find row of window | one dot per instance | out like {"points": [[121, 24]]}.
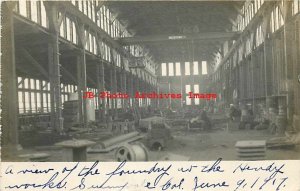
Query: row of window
{"points": [[174, 69], [34, 96], [107, 21], [276, 19], [276, 22], [35, 11], [248, 11]]}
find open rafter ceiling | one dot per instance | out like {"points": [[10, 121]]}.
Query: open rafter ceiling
{"points": [[148, 18]]}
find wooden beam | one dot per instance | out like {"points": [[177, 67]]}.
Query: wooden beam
{"points": [[211, 36], [100, 4], [233, 22], [238, 10], [71, 76], [33, 62]]}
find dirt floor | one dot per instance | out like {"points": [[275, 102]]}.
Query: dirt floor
{"points": [[197, 145]]}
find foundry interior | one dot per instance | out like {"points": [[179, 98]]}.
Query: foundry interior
{"points": [[215, 79]]}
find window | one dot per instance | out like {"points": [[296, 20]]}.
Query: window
{"points": [[187, 88], [204, 67], [171, 69], [49, 102], [188, 100], [21, 103], [74, 38], [61, 28], [27, 102], [195, 68], [178, 69], [43, 15], [296, 7], [91, 43], [23, 8], [33, 11], [196, 90], [20, 82], [32, 84], [163, 69], [37, 84], [187, 68], [197, 101], [68, 28], [38, 102], [45, 102]]}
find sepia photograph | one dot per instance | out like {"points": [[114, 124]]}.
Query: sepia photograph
{"points": [[114, 81]]}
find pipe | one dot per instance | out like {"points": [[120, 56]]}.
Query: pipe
{"points": [[118, 139]]}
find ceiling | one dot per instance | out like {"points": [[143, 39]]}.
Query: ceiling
{"points": [[150, 18]]}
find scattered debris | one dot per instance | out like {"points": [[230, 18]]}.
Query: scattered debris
{"points": [[158, 135], [280, 143]]}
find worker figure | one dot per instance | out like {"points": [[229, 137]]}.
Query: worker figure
{"points": [[234, 112], [252, 123], [109, 122], [207, 123], [126, 126]]}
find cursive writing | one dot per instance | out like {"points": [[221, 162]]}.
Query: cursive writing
{"points": [[164, 176]]}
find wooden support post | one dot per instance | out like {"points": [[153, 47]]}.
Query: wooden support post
{"points": [[123, 88], [114, 81], [82, 87], [288, 30], [182, 68], [267, 54], [125, 102], [137, 86], [144, 86], [54, 68], [101, 79], [130, 88], [115, 89], [9, 97], [253, 60], [111, 104], [81, 74], [296, 74], [100, 88], [52, 90], [79, 89]]}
